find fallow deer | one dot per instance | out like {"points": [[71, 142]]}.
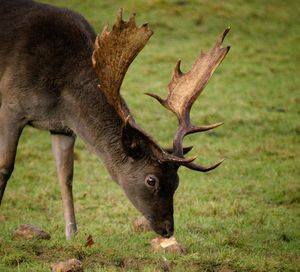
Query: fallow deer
{"points": [[57, 75]]}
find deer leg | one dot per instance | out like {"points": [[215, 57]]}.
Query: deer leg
{"points": [[10, 131], [63, 150]]}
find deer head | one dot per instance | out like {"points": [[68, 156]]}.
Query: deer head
{"points": [[152, 177]]}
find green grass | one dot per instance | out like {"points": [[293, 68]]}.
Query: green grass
{"points": [[245, 215]]}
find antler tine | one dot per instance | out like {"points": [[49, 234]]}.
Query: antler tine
{"points": [[183, 131], [185, 88], [204, 128], [119, 18], [200, 168]]}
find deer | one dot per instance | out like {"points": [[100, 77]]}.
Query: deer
{"points": [[58, 75]]}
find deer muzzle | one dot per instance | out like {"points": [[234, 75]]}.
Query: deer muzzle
{"points": [[164, 228]]}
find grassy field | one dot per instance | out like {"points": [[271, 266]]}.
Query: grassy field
{"points": [[244, 216]]}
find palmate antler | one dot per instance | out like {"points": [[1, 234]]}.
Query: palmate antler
{"points": [[185, 88], [115, 51]]}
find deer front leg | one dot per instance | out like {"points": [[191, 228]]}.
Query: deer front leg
{"points": [[10, 131], [63, 150]]}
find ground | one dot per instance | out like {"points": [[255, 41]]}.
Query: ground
{"points": [[245, 215]]}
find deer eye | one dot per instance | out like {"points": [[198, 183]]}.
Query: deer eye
{"points": [[151, 180]]}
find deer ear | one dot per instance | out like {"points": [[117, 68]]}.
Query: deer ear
{"points": [[134, 142]]}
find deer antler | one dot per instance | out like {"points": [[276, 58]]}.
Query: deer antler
{"points": [[184, 89], [114, 52]]}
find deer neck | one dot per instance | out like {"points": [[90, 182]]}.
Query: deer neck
{"points": [[99, 126]]}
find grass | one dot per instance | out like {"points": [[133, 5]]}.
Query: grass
{"points": [[245, 215]]}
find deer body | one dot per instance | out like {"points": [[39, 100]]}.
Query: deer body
{"points": [[47, 80], [46, 67]]}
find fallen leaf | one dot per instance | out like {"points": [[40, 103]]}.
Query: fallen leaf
{"points": [[89, 241]]}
